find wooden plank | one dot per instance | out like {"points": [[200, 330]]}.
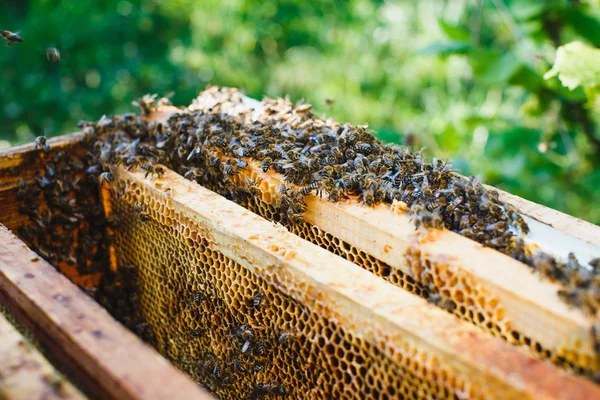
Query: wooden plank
{"points": [[506, 297], [112, 361], [392, 320], [25, 373], [560, 221]]}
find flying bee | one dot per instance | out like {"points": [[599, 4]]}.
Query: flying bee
{"points": [[329, 102], [40, 142], [53, 55], [107, 177], [266, 164], [11, 37]]}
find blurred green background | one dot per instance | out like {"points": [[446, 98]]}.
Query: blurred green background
{"points": [[463, 78]]}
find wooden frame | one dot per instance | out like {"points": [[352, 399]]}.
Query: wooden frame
{"points": [[357, 299], [25, 373]]}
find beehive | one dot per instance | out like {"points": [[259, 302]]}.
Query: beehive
{"points": [[251, 310]]}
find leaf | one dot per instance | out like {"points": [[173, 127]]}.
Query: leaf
{"points": [[585, 25], [527, 9], [454, 32], [502, 69], [527, 78], [440, 49], [578, 64]]}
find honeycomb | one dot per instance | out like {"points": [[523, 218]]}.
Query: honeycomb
{"points": [[456, 290], [201, 304]]}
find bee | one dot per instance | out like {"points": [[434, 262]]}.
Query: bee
{"points": [[40, 142], [195, 153], [368, 198], [444, 303], [244, 333], [11, 37], [422, 217], [238, 365], [146, 103], [220, 143], [53, 55], [285, 337], [256, 302], [258, 366], [266, 164], [144, 331], [596, 337], [304, 108], [197, 333], [199, 297], [258, 348], [329, 102], [107, 177], [595, 264], [228, 170], [305, 191], [266, 389], [140, 210], [151, 170], [252, 186]]}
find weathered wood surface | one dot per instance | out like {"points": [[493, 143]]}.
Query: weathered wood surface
{"points": [[111, 361], [25, 373]]}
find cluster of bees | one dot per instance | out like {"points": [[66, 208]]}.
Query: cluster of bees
{"points": [[244, 347], [66, 225], [333, 161]]}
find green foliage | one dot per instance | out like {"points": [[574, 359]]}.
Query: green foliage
{"points": [[463, 78], [578, 65]]}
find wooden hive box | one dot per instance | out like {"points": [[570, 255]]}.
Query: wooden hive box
{"points": [[329, 308]]}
